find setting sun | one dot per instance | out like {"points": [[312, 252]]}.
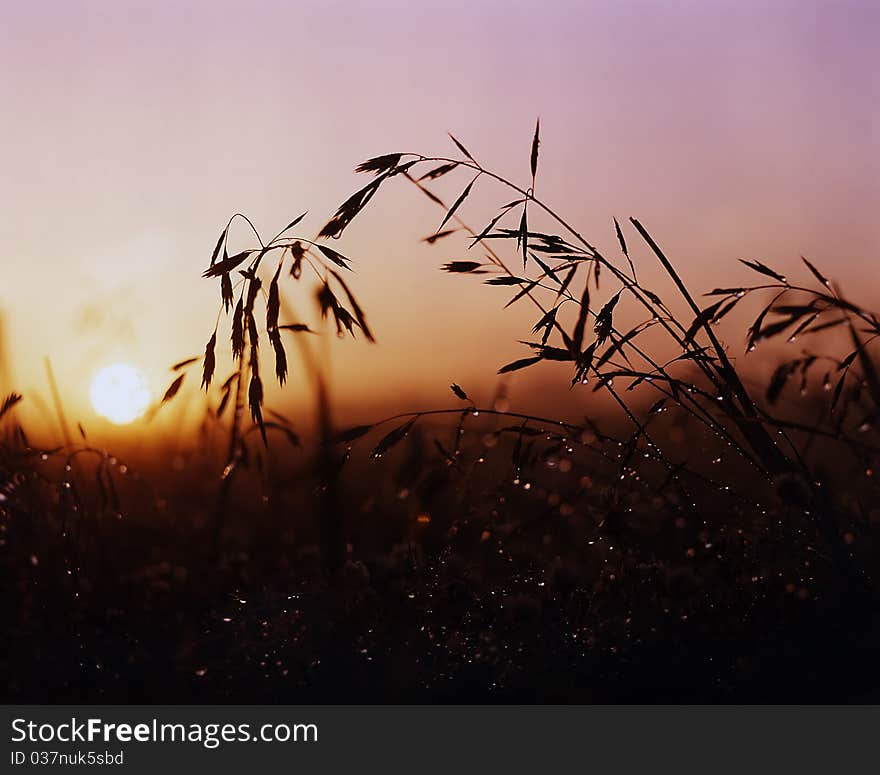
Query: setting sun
{"points": [[120, 393]]}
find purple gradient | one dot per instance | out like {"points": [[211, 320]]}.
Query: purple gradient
{"points": [[132, 130]]}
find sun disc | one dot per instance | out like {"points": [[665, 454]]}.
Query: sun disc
{"points": [[120, 393]]}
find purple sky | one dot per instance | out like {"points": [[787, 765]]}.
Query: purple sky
{"points": [[132, 130]]}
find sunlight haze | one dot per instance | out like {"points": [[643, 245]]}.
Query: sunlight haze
{"points": [[132, 131]]}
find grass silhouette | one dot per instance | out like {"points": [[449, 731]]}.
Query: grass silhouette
{"points": [[704, 543]]}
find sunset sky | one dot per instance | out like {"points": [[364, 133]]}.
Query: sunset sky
{"points": [[133, 130]]}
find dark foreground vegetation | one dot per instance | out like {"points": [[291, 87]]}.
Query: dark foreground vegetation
{"points": [[713, 540]]}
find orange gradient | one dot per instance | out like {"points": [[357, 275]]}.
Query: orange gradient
{"points": [[133, 130]]}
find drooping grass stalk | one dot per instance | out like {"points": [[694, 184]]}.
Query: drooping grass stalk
{"points": [[327, 265]]}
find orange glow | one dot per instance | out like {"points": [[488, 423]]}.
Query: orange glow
{"points": [[711, 136]]}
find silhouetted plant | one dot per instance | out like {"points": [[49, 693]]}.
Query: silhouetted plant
{"points": [[290, 256], [719, 399]]}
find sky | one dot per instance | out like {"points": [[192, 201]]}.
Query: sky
{"points": [[133, 130]]}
